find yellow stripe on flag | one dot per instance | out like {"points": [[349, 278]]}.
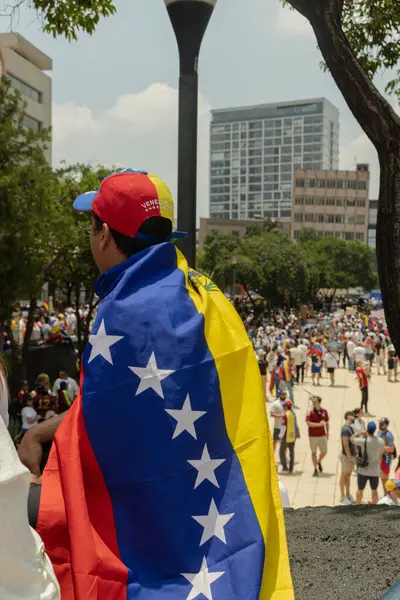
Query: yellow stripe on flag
{"points": [[246, 423]]}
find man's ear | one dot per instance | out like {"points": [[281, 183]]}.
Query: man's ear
{"points": [[106, 236]]}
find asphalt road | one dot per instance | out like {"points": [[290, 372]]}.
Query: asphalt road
{"points": [[343, 553]]}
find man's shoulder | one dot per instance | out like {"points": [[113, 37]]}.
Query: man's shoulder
{"points": [[324, 413]]}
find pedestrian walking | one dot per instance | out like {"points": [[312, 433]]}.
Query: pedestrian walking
{"points": [[318, 432], [332, 362], [363, 380]]}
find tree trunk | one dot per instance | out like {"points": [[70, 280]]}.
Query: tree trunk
{"points": [[382, 125]]}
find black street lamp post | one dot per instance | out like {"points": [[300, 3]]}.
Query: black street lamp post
{"points": [[189, 20]]}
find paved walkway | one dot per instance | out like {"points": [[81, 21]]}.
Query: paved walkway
{"points": [[384, 401]]}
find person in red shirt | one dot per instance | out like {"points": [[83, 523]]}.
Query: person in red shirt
{"points": [[318, 432], [363, 379]]}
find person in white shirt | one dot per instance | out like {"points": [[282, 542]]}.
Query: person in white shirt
{"points": [[359, 423], [297, 356], [29, 415], [332, 362], [277, 412], [72, 387], [350, 351], [392, 496], [359, 354]]}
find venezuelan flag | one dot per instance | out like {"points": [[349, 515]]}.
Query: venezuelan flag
{"points": [[161, 483]]}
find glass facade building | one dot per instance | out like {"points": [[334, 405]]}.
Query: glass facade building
{"points": [[254, 150]]}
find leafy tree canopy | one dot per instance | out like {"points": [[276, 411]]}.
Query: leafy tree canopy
{"points": [[271, 264], [30, 213]]}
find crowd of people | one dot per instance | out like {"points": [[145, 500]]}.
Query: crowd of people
{"points": [[291, 346], [43, 401], [53, 327]]}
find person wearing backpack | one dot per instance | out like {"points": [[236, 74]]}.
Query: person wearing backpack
{"points": [[370, 450]]}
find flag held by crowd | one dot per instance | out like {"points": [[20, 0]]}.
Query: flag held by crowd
{"points": [[170, 488]]}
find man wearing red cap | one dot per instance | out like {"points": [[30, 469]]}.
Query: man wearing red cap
{"points": [[170, 401], [289, 434]]}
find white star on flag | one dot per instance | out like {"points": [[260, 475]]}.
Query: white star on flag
{"points": [[213, 524], [101, 343], [185, 418], [151, 376], [202, 581], [206, 467]]}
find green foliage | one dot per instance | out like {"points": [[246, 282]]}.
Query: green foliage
{"points": [[29, 211], [269, 263], [373, 30], [69, 17]]}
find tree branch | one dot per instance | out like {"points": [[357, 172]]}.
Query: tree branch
{"points": [[371, 110]]}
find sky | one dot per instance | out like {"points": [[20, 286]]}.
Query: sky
{"points": [[115, 99]]}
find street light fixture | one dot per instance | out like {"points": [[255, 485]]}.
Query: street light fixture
{"points": [[189, 20]]}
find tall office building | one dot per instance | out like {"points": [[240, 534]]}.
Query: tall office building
{"points": [[254, 150], [24, 65]]}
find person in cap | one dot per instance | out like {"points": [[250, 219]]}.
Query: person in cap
{"points": [[289, 434], [370, 449], [168, 436], [388, 441], [392, 496]]}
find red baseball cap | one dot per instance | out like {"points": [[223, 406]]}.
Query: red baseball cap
{"points": [[126, 200]]}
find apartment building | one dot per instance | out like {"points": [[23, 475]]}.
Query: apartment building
{"points": [[25, 67], [334, 203], [254, 149]]}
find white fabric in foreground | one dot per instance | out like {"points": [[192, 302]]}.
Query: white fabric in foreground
{"points": [[25, 570], [3, 400]]}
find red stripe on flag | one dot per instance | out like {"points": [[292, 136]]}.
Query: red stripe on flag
{"points": [[76, 520]]}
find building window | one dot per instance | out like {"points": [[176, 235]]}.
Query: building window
{"points": [[330, 201], [339, 202], [235, 232], [296, 234], [299, 200], [352, 185], [360, 237], [350, 202], [360, 202], [331, 183], [339, 218], [309, 218], [321, 183], [320, 218], [309, 200], [298, 217], [360, 219], [350, 220], [330, 218], [362, 185], [25, 89], [349, 235], [32, 123], [320, 201], [286, 213]]}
